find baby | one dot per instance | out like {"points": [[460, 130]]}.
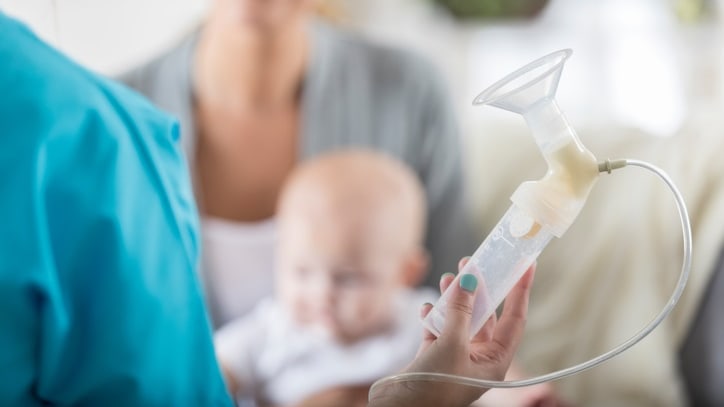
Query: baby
{"points": [[351, 228]]}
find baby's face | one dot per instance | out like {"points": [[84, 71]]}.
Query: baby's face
{"points": [[338, 276]]}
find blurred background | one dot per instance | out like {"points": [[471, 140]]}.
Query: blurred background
{"points": [[641, 63]]}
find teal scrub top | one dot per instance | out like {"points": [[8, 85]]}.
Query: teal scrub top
{"points": [[99, 299]]}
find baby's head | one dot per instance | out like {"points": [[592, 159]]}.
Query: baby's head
{"points": [[351, 226]]}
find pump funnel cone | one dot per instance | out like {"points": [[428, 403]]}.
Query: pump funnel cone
{"points": [[557, 198], [521, 90]]}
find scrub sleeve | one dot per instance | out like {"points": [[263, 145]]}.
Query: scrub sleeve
{"points": [[99, 299]]}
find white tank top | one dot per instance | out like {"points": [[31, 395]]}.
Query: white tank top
{"points": [[237, 265]]}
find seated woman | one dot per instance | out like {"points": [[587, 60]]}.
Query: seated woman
{"points": [[263, 85]]}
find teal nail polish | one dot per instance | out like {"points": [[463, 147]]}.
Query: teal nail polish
{"points": [[447, 274], [468, 282]]}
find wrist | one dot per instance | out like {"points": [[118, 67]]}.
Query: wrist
{"points": [[412, 394], [394, 395]]}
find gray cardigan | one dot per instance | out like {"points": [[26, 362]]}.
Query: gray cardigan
{"points": [[356, 93]]}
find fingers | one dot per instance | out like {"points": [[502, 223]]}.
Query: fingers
{"points": [[448, 278], [463, 262], [460, 303], [426, 335], [460, 306], [426, 308], [486, 332], [510, 326], [445, 281]]}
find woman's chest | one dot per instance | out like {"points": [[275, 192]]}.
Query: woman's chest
{"points": [[242, 164]]}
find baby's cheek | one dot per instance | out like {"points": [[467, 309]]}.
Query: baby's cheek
{"points": [[369, 308], [297, 307]]}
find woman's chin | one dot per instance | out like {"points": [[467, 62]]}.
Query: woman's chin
{"points": [[258, 17]]}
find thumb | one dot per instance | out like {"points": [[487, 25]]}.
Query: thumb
{"points": [[460, 307]]}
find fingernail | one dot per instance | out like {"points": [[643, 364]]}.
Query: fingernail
{"points": [[468, 282], [464, 260], [425, 306], [447, 274]]}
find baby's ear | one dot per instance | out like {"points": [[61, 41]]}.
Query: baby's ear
{"points": [[414, 268]]}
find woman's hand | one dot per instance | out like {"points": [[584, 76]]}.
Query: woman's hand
{"points": [[486, 356], [539, 395]]}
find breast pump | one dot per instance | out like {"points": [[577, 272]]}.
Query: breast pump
{"points": [[540, 210]]}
